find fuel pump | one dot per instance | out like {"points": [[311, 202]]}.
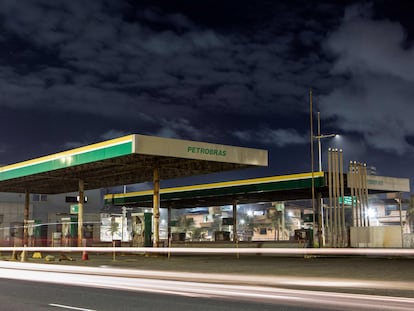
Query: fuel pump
{"points": [[142, 229], [66, 234]]}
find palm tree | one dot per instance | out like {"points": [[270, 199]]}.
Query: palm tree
{"points": [[114, 227], [186, 223]]}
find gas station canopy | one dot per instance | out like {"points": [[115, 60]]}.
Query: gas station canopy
{"points": [[245, 191], [125, 160], [264, 189]]}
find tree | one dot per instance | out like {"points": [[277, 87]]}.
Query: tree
{"points": [[185, 223], [114, 227], [410, 214]]}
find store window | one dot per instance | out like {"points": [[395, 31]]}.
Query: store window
{"points": [[39, 198]]}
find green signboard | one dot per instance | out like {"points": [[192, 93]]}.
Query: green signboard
{"points": [[347, 200], [74, 209]]}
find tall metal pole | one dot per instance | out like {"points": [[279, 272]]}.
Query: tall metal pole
{"points": [[312, 160], [341, 175], [338, 206], [365, 192], [355, 182], [335, 198], [351, 182], [321, 227], [329, 221], [361, 195], [320, 208], [358, 193], [319, 142]]}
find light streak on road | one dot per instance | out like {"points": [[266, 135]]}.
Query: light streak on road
{"points": [[261, 294], [213, 277], [224, 251]]}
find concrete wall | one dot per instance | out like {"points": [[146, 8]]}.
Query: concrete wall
{"points": [[46, 209], [386, 236]]}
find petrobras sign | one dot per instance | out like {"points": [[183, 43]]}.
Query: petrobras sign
{"points": [[169, 147], [208, 151]]}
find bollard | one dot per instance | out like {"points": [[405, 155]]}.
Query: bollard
{"points": [[23, 255], [84, 253], [14, 255]]}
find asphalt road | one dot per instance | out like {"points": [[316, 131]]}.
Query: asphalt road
{"points": [[25, 295], [25, 286]]}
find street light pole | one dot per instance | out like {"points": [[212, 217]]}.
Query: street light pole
{"points": [[319, 137], [319, 142], [321, 226]]}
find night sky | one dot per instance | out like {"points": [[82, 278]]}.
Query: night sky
{"points": [[229, 72]]}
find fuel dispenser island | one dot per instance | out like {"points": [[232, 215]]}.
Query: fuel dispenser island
{"points": [[69, 231], [135, 228], [141, 229]]}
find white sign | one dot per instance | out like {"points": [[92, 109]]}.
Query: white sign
{"points": [[391, 184]]}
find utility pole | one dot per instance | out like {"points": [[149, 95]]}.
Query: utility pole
{"points": [[312, 164]]}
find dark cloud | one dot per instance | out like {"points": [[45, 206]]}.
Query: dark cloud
{"points": [[235, 72], [279, 138], [107, 60], [375, 99]]}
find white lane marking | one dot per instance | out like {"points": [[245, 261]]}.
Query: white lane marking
{"points": [[69, 307]]}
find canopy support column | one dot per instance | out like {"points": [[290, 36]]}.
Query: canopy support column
{"points": [[169, 225], [156, 207], [80, 211], [321, 231], [235, 237], [26, 217]]}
